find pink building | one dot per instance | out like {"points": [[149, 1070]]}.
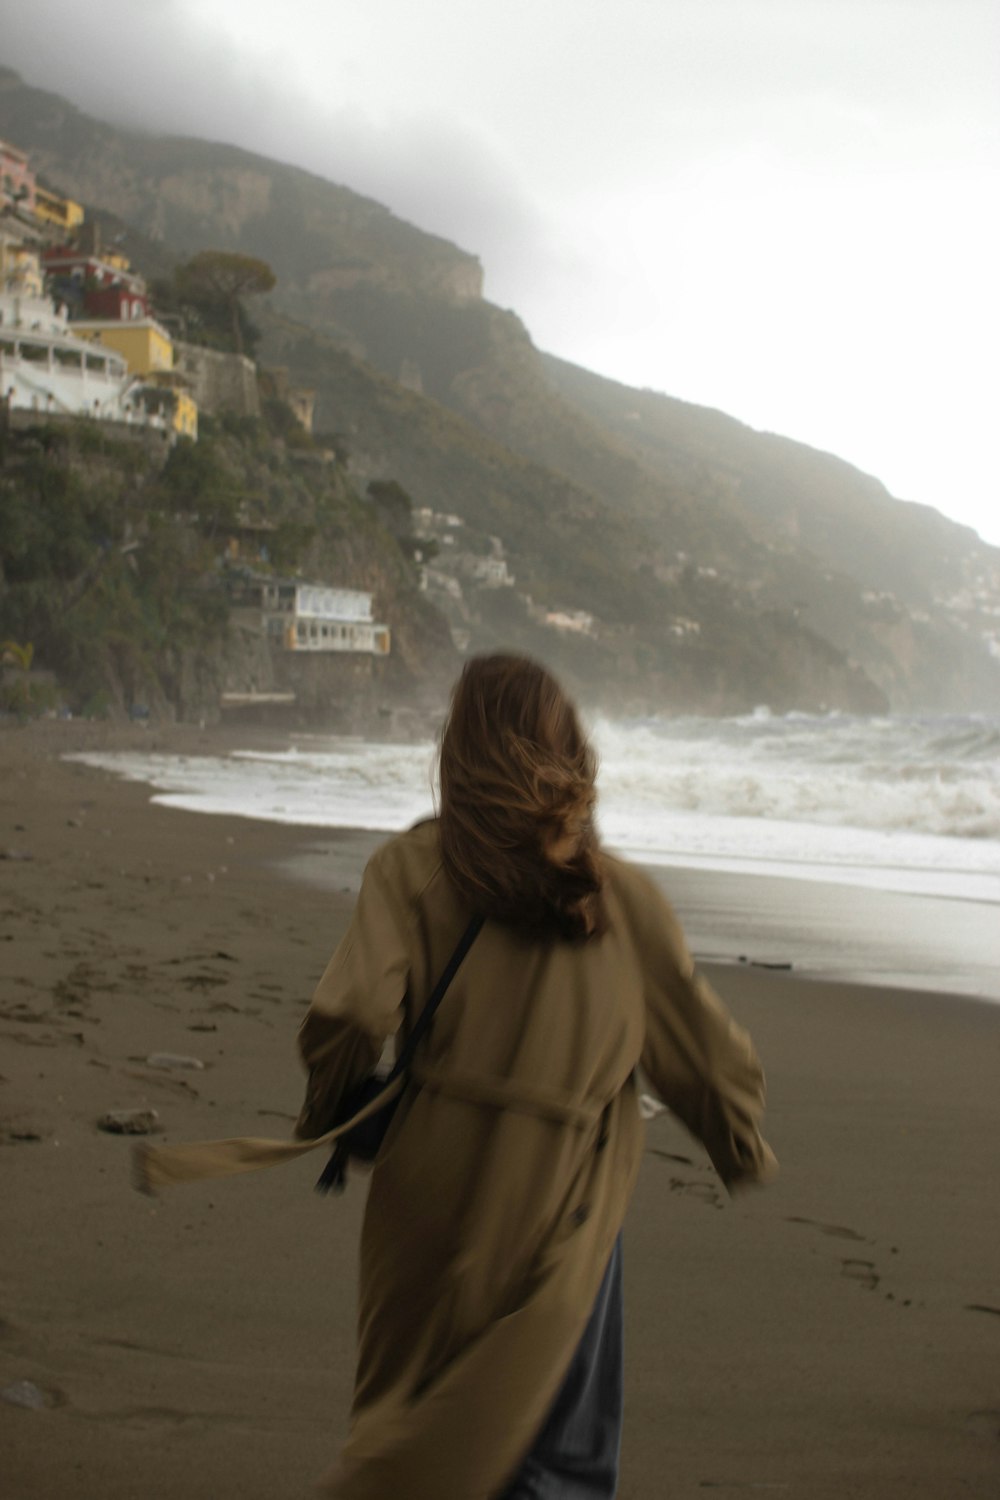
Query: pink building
{"points": [[17, 180]]}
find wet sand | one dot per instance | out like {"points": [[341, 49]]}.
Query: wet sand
{"points": [[835, 1335]]}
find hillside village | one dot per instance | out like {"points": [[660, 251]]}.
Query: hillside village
{"points": [[81, 339], [471, 492], [82, 342], [61, 294]]}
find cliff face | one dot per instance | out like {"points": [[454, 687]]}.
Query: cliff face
{"points": [[191, 193]]}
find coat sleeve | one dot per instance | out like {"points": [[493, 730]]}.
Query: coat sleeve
{"points": [[358, 1003], [698, 1060]]}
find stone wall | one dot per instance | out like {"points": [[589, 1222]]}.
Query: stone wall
{"points": [[157, 441], [219, 382]]}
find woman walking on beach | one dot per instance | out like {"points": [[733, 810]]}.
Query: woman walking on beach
{"points": [[490, 1329]]}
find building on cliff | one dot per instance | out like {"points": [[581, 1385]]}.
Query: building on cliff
{"points": [[311, 616], [95, 281], [21, 192], [17, 180], [148, 351], [47, 371], [44, 368], [52, 208], [47, 247], [109, 304]]}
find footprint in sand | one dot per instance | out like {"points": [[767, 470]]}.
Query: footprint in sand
{"points": [[266, 993], [20, 1135], [839, 1231], [22, 1013], [862, 1271], [46, 1040], [704, 1191]]}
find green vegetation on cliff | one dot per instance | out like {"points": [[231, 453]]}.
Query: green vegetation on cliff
{"points": [[115, 557]]}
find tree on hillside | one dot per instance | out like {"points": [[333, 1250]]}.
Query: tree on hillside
{"points": [[225, 278]]}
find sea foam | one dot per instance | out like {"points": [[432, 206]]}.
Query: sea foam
{"points": [[904, 803]]}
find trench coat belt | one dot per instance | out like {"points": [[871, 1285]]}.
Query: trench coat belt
{"points": [[505, 1093]]}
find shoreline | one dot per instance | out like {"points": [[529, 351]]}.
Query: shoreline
{"points": [[202, 1343], [824, 929]]}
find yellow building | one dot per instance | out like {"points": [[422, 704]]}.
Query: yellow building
{"points": [[186, 416], [163, 396], [146, 345], [149, 353], [54, 209]]}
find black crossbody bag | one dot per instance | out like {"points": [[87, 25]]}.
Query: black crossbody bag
{"points": [[364, 1139]]}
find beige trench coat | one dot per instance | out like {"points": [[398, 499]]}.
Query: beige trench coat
{"points": [[502, 1184]]}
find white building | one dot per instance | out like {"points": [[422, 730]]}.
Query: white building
{"points": [[492, 572], [316, 616], [45, 368], [579, 621]]}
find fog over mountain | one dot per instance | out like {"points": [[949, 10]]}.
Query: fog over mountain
{"points": [[783, 211]]}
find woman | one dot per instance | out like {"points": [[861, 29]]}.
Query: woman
{"points": [[489, 1360]]}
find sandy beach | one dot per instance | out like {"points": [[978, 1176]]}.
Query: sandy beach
{"points": [[837, 1335]]}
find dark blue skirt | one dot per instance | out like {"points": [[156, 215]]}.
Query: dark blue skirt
{"points": [[575, 1456]]}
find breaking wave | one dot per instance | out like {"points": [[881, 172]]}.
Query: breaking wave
{"points": [[907, 803]]}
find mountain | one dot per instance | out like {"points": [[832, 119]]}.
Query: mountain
{"points": [[720, 567]]}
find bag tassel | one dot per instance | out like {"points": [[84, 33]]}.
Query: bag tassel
{"points": [[333, 1178]]}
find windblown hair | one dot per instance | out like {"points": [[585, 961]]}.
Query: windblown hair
{"points": [[517, 801]]}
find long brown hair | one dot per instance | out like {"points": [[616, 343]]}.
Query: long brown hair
{"points": [[517, 800]]}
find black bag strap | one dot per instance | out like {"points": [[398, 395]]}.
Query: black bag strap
{"points": [[426, 1016], [334, 1175]]}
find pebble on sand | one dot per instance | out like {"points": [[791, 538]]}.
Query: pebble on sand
{"points": [[25, 1393], [174, 1060]]}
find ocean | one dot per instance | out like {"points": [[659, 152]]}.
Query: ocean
{"points": [[901, 806]]}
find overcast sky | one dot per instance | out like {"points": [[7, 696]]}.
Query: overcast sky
{"points": [[787, 209]]}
